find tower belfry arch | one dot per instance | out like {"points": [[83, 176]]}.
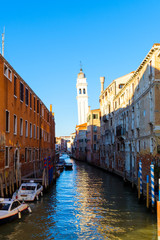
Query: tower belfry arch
{"points": [[82, 97]]}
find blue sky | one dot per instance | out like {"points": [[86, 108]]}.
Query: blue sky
{"points": [[46, 40]]}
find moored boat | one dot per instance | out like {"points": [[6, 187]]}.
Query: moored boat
{"points": [[11, 209], [29, 191], [68, 166]]}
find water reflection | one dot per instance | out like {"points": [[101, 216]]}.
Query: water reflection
{"points": [[85, 203]]}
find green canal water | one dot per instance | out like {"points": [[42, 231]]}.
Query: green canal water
{"points": [[85, 203]]}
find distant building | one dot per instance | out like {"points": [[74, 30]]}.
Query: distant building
{"points": [[93, 136], [63, 143], [80, 142], [82, 97], [72, 142]]}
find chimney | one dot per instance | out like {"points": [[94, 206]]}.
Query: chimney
{"points": [[102, 79], [51, 108]]}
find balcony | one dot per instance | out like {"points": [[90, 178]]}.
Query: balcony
{"points": [[105, 118], [120, 132]]}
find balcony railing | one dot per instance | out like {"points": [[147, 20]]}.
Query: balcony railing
{"points": [[105, 118], [120, 131]]}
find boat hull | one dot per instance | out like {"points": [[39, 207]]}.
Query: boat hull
{"points": [[12, 217]]}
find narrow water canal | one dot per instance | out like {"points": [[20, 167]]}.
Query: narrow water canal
{"points": [[85, 203]]}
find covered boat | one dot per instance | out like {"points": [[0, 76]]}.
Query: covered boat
{"points": [[29, 191], [11, 209]]}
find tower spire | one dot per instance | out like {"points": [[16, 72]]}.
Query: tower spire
{"points": [[80, 66], [3, 42]]}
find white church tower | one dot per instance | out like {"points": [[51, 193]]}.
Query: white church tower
{"points": [[82, 97]]}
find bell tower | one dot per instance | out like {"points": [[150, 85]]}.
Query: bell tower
{"points": [[82, 97]]}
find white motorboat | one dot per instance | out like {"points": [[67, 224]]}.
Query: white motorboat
{"points": [[29, 191], [11, 209]]}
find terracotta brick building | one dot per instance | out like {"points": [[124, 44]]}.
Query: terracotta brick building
{"points": [[27, 127]]}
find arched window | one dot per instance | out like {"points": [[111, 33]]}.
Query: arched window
{"points": [[84, 90], [79, 91]]}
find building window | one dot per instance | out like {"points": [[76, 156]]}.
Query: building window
{"points": [[15, 124], [150, 67], [79, 91], [21, 92], [30, 130], [34, 154], [5, 70], [26, 154], [30, 100], [21, 126], [42, 112], [132, 87], [10, 74], [40, 109], [37, 106], [121, 86], [109, 109], [95, 137], [37, 154], [15, 86], [26, 98], [34, 131], [138, 146], [7, 157], [94, 147], [95, 116], [95, 128], [26, 128], [30, 155], [115, 105], [7, 121], [151, 145], [84, 90], [37, 132], [34, 104]]}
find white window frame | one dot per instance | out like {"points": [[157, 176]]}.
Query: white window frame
{"points": [[34, 131], [15, 124], [10, 78], [26, 129], [21, 127], [6, 74]]}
